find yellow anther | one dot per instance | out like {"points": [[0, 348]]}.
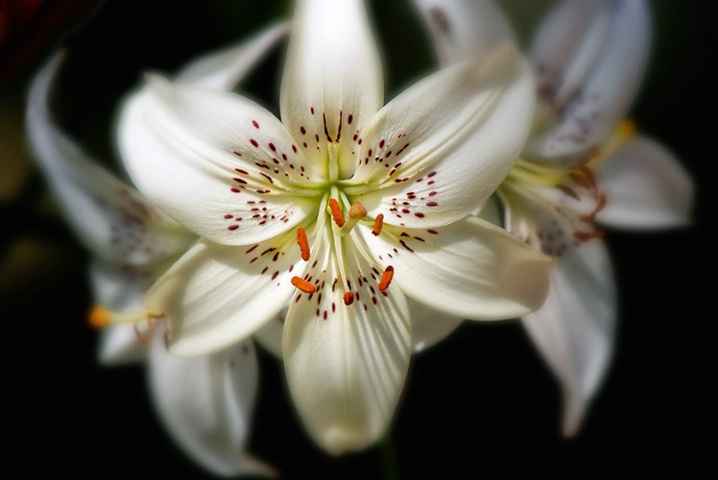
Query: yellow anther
{"points": [[627, 129], [99, 317]]}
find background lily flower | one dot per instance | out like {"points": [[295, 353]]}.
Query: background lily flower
{"points": [[205, 402], [340, 210], [582, 164]]}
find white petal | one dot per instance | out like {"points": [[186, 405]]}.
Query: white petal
{"points": [[208, 158], [113, 221], [590, 57], [574, 329], [207, 403], [215, 296], [646, 188], [118, 345], [332, 83], [470, 269], [464, 29], [439, 149], [429, 326], [223, 69], [491, 211], [346, 365]]}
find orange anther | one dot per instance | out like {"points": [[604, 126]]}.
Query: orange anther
{"points": [[378, 223], [588, 173], [303, 243], [569, 191], [386, 278], [348, 298], [602, 200], [336, 212], [580, 179], [99, 317], [303, 285], [586, 236]]}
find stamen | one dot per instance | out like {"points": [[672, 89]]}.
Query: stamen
{"points": [[386, 278], [303, 243], [627, 129], [348, 298], [99, 317], [378, 223], [590, 177], [580, 179], [602, 201], [303, 285], [336, 212], [586, 236], [569, 191]]}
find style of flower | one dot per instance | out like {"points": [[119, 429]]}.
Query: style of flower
{"points": [[205, 402], [582, 164], [340, 211]]}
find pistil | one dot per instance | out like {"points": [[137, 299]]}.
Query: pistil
{"points": [[356, 213]]}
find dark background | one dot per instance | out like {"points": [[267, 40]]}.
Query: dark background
{"points": [[479, 405]]}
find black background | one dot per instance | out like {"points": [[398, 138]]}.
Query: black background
{"points": [[479, 405]]}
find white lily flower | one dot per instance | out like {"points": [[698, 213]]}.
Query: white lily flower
{"points": [[582, 164], [376, 198], [206, 402]]}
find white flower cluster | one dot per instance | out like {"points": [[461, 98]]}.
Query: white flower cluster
{"points": [[351, 232]]}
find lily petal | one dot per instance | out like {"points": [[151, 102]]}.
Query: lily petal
{"points": [[470, 269], [358, 354], [439, 149], [224, 69], [646, 187], [574, 330], [332, 84], [430, 326], [111, 219], [206, 403], [464, 29], [590, 57], [209, 159], [216, 295]]}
